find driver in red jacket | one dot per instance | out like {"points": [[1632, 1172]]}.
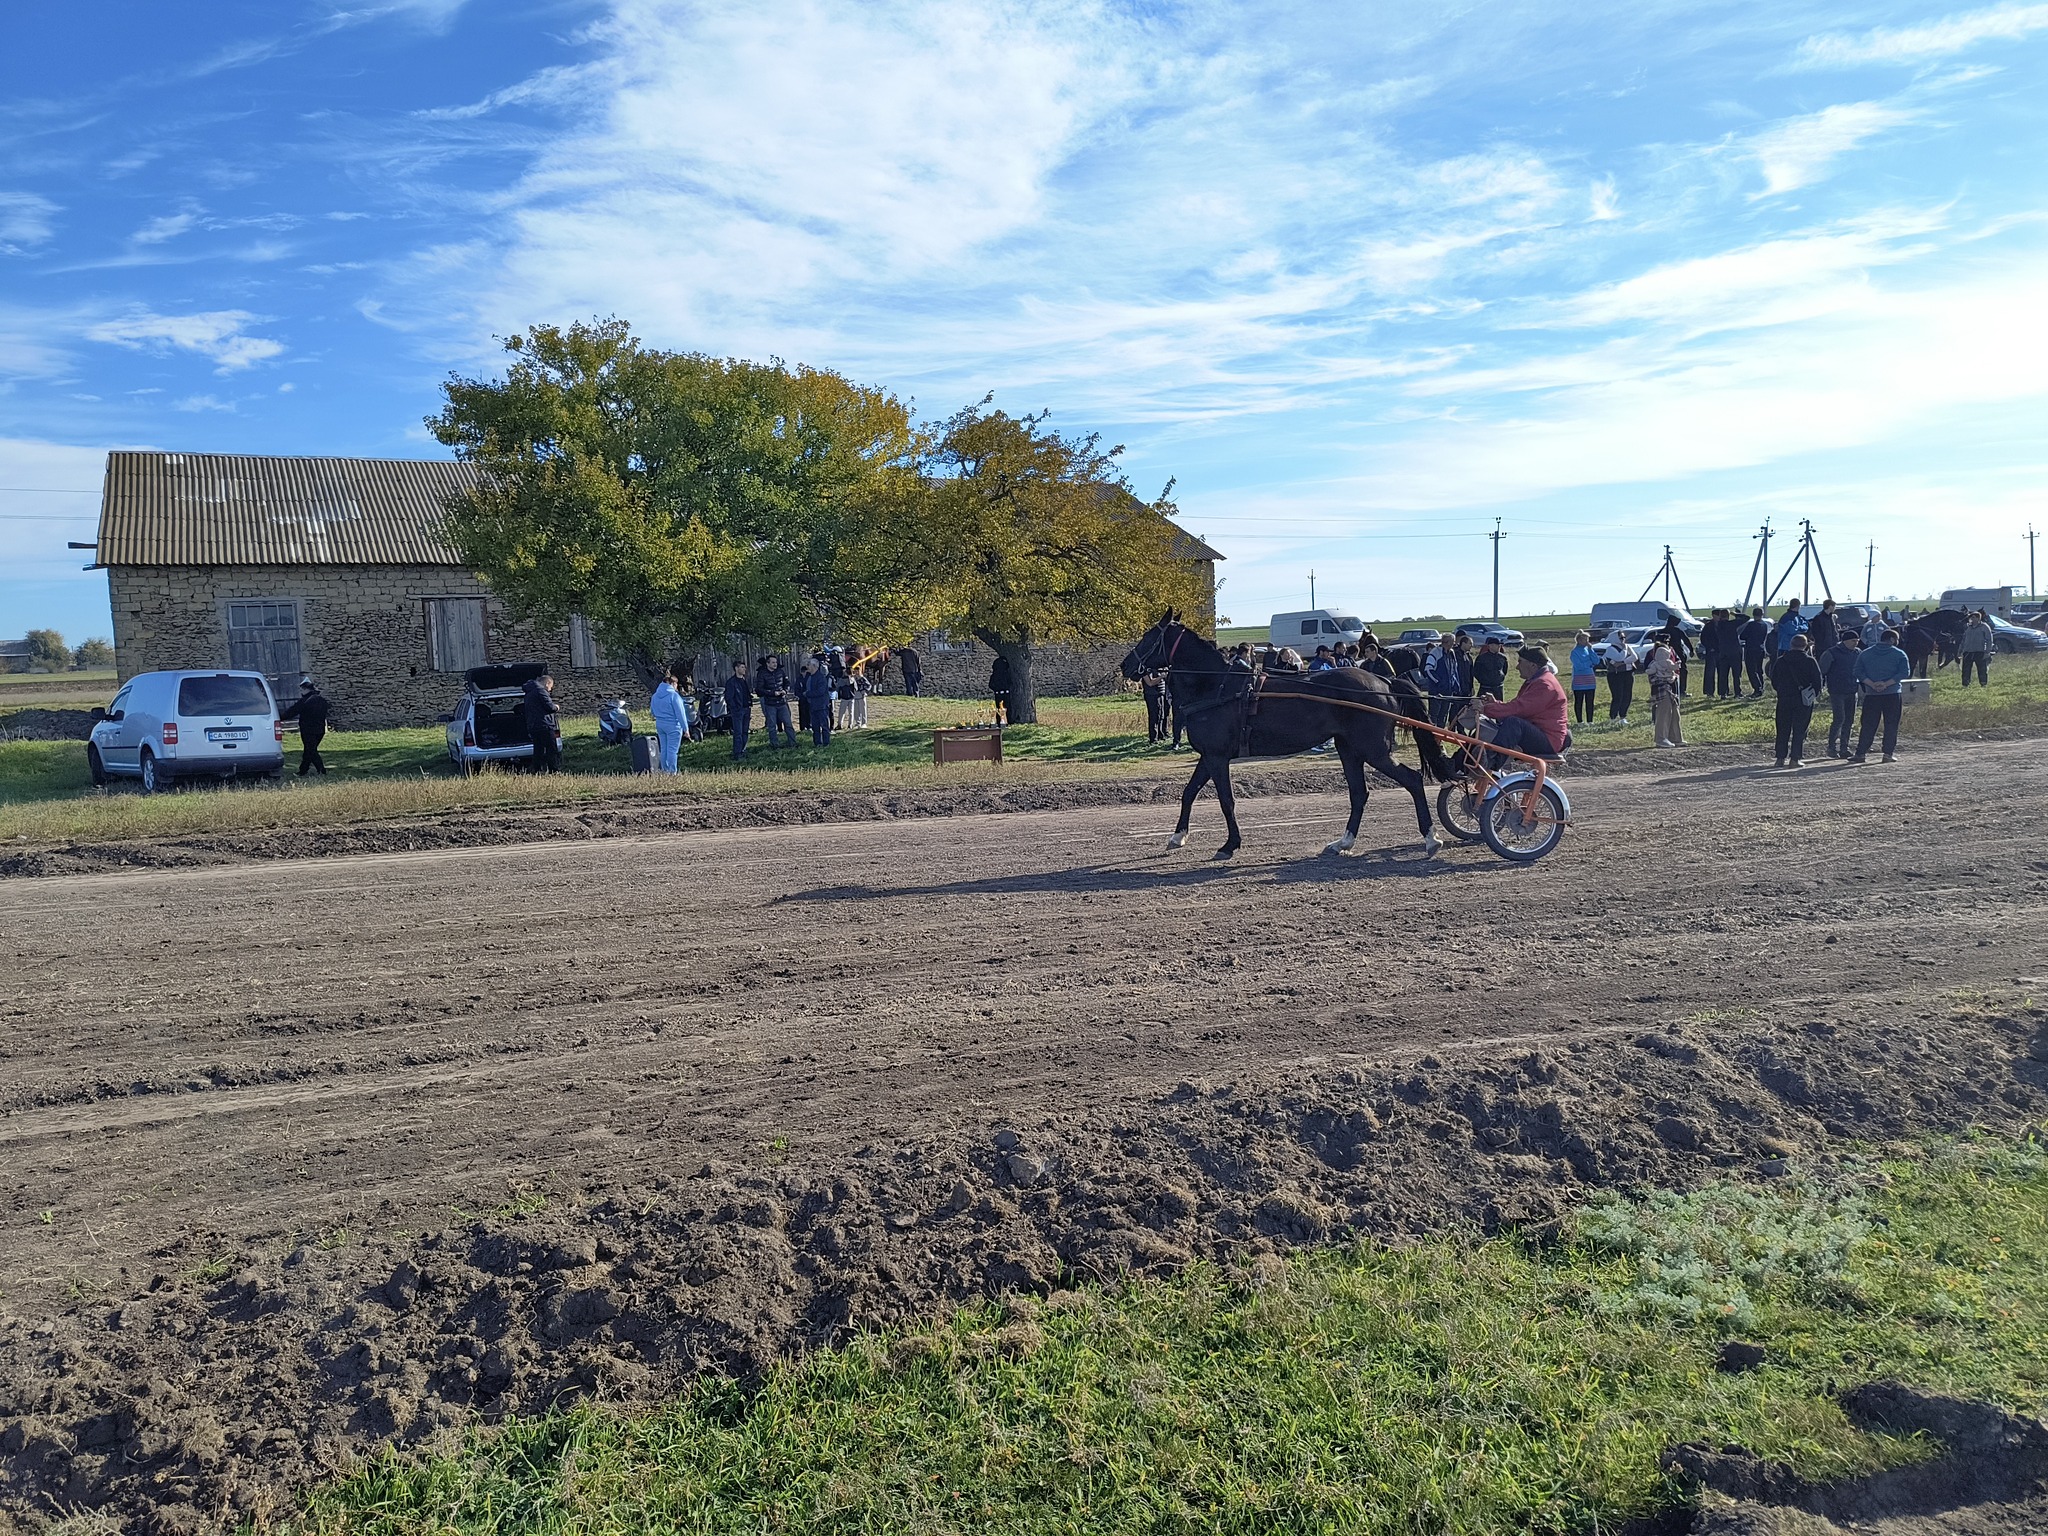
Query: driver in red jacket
{"points": [[1534, 720]]}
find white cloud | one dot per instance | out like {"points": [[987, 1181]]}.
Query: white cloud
{"points": [[25, 220], [1766, 283], [202, 403], [1930, 40], [166, 227], [1628, 412], [1605, 204], [1800, 151], [217, 335]]}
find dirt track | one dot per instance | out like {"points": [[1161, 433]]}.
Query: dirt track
{"points": [[278, 1136]]}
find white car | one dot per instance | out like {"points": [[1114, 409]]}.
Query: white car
{"points": [[167, 726], [489, 725], [1482, 630]]}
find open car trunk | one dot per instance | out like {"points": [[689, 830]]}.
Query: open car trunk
{"points": [[501, 722]]}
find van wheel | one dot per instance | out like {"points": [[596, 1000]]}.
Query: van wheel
{"points": [[95, 767], [152, 779]]}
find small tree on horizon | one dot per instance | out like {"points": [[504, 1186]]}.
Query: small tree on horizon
{"points": [[47, 651], [96, 652]]}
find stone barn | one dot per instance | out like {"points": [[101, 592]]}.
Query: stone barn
{"points": [[337, 568]]}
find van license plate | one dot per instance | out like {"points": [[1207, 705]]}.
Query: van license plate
{"points": [[239, 733]]}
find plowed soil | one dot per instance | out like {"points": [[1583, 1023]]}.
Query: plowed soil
{"points": [[307, 1155]]}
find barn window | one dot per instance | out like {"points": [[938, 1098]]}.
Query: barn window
{"points": [[584, 651], [263, 636], [455, 633]]}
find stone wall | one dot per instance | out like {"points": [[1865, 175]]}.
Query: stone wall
{"points": [[961, 670], [362, 633]]}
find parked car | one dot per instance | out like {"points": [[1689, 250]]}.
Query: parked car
{"points": [[1418, 637], [2009, 639], [166, 726], [1483, 630], [489, 724], [1636, 638]]}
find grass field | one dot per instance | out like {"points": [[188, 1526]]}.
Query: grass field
{"points": [[1454, 1385], [46, 796]]}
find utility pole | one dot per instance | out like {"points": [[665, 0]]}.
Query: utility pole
{"points": [[1311, 589], [1669, 571], [1869, 565], [1496, 536], [1809, 562], [2032, 590], [1760, 573]]}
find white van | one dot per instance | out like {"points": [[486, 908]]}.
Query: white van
{"points": [[166, 726], [1647, 615], [1315, 626], [1993, 600]]}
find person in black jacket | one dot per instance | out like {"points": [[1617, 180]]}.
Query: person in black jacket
{"points": [[1795, 676], [1490, 668], [1001, 684], [1838, 672], [913, 671], [1155, 706], [311, 710], [1673, 634], [739, 707], [771, 686], [1755, 637], [542, 722]]}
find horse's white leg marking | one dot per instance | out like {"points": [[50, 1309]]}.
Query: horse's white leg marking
{"points": [[1176, 840], [1430, 844], [1342, 845]]}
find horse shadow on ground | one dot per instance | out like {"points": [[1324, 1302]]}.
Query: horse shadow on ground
{"points": [[1138, 879]]}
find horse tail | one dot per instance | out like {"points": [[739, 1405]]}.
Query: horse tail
{"points": [[1434, 764]]}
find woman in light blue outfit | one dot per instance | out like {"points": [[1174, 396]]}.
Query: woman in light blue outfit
{"points": [[1585, 679], [671, 720]]}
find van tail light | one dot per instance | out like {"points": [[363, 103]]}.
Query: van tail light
{"points": [[170, 733], [469, 733], [277, 729]]}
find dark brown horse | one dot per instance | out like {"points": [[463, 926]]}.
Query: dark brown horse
{"points": [[1230, 713], [1936, 636]]}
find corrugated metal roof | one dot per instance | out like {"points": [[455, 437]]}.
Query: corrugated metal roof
{"points": [[247, 509]]}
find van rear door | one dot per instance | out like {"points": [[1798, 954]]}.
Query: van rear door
{"points": [[226, 716]]}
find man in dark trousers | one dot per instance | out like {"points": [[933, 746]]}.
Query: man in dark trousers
{"points": [[739, 708], [311, 710], [1822, 630], [814, 686], [1756, 639], [771, 685], [1155, 707], [1001, 684], [542, 722], [1727, 631], [913, 671]]}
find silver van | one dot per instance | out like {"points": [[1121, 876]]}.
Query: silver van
{"points": [[166, 726]]}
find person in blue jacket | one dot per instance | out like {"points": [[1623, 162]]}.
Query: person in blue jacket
{"points": [[815, 685], [1585, 679], [1756, 638], [1882, 670], [1838, 672], [671, 720], [1791, 624]]}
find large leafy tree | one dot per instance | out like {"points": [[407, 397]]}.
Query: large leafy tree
{"points": [[47, 650], [675, 499], [1044, 542]]}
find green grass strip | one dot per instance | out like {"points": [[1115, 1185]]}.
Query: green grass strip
{"points": [[1456, 1385]]}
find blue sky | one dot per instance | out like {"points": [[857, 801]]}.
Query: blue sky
{"points": [[1360, 279]]}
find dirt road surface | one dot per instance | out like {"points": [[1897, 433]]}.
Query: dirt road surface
{"points": [[303, 1156]]}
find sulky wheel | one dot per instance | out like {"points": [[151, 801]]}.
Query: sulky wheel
{"points": [[1458, 809], [1523, 837]]}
